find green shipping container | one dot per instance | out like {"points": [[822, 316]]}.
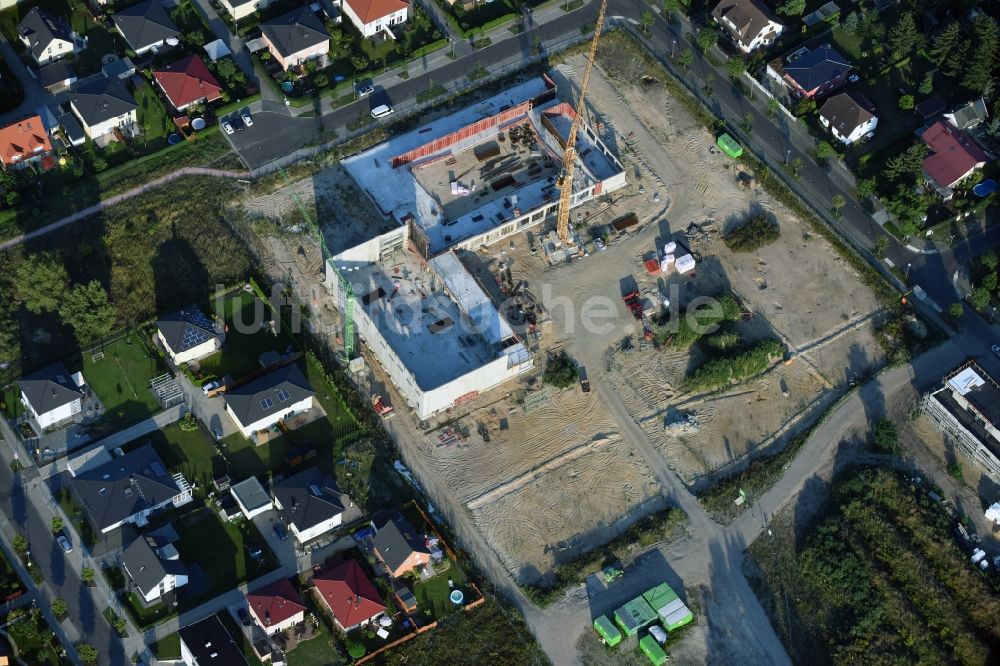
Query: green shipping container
{"points": [[729, 146], [658, 597], [608, 631], [678, 619], [635, 615], [652, 649]]}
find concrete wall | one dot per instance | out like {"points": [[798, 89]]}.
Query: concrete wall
{"points": [[54, 416]]}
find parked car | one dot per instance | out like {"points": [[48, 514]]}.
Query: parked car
{"points": [[64, 542], [381, 111], [280, 530], [217, 433], [996, 349], [227, 128], [244, 616], [210, 386], [657, 632], [365, 88], [247, 120]]}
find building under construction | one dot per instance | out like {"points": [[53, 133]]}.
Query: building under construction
{"points": [[459, 183]]}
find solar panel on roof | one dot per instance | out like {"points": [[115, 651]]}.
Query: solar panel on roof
{"points": [[266, 403], [283, 395]]}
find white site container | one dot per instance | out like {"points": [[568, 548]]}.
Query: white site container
{"points": [[685, 264]]}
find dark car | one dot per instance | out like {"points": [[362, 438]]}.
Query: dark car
{"points": [[244, 617], [280, 530]]}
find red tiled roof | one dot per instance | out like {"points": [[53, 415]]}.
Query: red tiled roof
{"points": [[22, 139], [275, 603], [370, 11], [350, 595], [187, 81], [955, 153]]}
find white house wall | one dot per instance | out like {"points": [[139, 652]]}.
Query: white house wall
{"points": [[316, 530], [281, 626], [108, 126], [54, 416], [265, 423], [202, 350], [373, 28]]}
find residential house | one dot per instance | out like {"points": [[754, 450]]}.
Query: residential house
{"points": [[104, 105], [371, 17], [23, 142], [265, 401], [187, 82], [52, 395], [954, 156], [119, 68], [397, 544], [931, 107], [849, 117], [57, 76], [154, 571], [251, 497], [811, 73], [969, 115], [47, 36], [295, 37], [310, 503], [187, 335], [276, 606], [145, 26], [240, 9], [351, 597], [207, 643], [749, 22], [128, 489]]}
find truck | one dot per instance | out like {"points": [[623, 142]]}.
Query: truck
{"points": [[634, 303], [611, 573]]}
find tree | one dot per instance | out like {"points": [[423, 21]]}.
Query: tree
{"points": [[886, 436], [979, 72], [955, 63], [904, 36], [792, 8], [560, 371], [906, 164], [797, 166], [747, 124], [772, 108], [824, 150], [671, 6], [60, 608], [838, 202], [21, 544], [685, 57], [944, 43], [707, 37], [87, 576], [40, 282], [806, 106], [990, 260], [57, 524], [866, 187], [850, 23], [980, 297], [87, 653], [647, 20], [321, 80], [87, 309], [359, 62], [927, 85], [990, 281], [881, 245], [736, 66], [906, 102], [957, 309]]}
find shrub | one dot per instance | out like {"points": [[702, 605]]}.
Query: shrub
{"points": [[355, 649], [756, 232], [561, 371], [720, 372], [886, 436]]}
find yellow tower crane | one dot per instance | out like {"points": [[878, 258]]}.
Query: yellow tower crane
{"points": [[565, 182]]}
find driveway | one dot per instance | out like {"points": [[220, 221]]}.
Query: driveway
{"points": [[210, 411]]}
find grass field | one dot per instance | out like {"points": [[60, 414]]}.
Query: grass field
{"points": [[152, 116], [433, 593], [247, 338], [229, 563], [188, 452], [11, 398], [167, 648], [121, 381]]}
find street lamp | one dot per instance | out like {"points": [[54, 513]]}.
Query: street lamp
{"points": [[788, 156], [907, 273], [673, 45]]}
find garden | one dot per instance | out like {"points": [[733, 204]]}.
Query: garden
{"points": [[120, 378], [35, 642], [100, 39], [187, 448]]}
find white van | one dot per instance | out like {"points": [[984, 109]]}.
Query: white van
{"points": [[381, 111]]}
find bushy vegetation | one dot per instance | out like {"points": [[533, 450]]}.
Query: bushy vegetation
{"points": [[560, 371], [721, 371], [695, 322], [754, 233], [879, 579], [662, 526]]}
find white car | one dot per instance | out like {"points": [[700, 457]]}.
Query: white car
{"points": [[658, 634], [66, 545], [227, 128], [365, 89], [247, 120], [208, 387], [853, 78]]}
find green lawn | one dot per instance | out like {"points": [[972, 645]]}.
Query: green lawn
{"points": [[433, 593], [189, 452], [35, 647], [247, 338], [152, 116], [11, 402], [221, 549], [167, 648], [121, 381], [144, 616]]}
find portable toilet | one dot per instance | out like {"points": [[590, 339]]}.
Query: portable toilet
{"points": [[607, 630], [652, 650]]}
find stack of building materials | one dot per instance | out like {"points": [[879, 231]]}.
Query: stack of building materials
{"points": [[993, 513], [635, 616], [652, 649], [685, 264], [666, 262], [670, 609], [669, 248], [607, 630]]}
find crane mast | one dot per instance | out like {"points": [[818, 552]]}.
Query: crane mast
{"points": [[565, 182]]}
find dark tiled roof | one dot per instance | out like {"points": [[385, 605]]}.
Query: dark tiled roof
{"points": [[124, 486], [102, 100], [748, 16], [814, 68], [295, 31], [846, 111], [210, 644], [55, 73], [49, 388], [186, 329], [309, 498], [396, 540], [269, 394], [144, 24], [41, 28], [145, 566]]}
